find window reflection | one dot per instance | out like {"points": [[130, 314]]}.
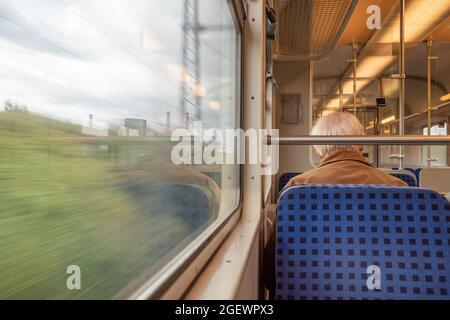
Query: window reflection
{"points": [[377, 70]]}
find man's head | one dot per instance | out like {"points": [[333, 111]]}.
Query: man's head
{"points": [[337, 124]]}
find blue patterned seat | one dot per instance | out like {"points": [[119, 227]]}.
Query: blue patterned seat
{"points": [[408, 177], [328, 235], [415, 172], [284, 179]]}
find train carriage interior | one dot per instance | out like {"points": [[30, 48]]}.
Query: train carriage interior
{"points": [[150, 149]]}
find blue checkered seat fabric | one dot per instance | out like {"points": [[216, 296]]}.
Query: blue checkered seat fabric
{"points": [[410, 179], [284, 179], [334, 241], [416, 173]]}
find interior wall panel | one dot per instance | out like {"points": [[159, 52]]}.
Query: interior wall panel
{"points": [[294, 77]]}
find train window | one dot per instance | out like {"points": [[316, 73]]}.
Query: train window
{"points": [[91, 205], [439, 129]]}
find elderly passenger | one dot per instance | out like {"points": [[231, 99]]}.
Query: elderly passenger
{"points": [[342, 164]]}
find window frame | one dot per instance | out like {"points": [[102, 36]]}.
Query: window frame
{"points": [[173, 282]]}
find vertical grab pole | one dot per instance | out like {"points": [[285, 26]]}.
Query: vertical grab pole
{"points": [[430, 59], [354, 60], [401, 99], [377, 124], [429, 45]]}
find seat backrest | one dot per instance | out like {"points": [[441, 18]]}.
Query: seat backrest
{"points": [[437, 179], [284, 179], [417, 173], [405, 175], [331, 238]]}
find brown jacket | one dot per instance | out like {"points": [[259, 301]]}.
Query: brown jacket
{"points": [[345, 167]]}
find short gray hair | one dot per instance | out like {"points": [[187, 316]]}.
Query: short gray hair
{"points": [[336, 124]]}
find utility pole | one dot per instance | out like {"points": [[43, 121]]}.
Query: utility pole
{"points": [[168, 122]]}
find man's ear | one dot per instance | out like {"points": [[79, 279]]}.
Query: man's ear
{"points": [[315, 157]]}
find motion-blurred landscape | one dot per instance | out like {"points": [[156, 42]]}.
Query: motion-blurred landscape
{"points": [[67, 199]]}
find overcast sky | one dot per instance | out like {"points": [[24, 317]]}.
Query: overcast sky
{"points": [[111, 58]]}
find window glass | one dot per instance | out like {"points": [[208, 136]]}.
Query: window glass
{"points": [[437, 153], [90, 91]]}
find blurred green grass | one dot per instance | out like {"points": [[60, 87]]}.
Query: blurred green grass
{"points": [[64, 202]]}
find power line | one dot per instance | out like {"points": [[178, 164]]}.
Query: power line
{"points": [[49, 41], [120, 44], [50, 27], [38, 36]]}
